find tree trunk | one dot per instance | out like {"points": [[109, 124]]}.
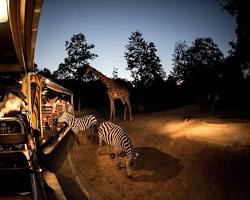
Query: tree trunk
{"points": [[79, 100], [79, 95]]}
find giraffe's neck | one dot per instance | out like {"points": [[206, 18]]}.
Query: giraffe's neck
{"points": [[104, 79]]}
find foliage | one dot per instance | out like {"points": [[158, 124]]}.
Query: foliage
{"points": [[241, 11], [181, 62], [63, 72], [232, 75], [35, 68], [115, 73], [198, 64], [142, 61], [44, 72], [78, 56]]}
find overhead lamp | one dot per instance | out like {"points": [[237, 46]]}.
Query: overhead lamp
{"points": [[3, 11]]}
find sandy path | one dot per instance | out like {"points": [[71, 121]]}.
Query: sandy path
{"points": [[203, 158]]}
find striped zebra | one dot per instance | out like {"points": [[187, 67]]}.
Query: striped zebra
{"points": [[115, 136], [79, 124]]}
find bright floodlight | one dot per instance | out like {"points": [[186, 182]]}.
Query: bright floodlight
{"points": [[46, 80], [3, 11]]}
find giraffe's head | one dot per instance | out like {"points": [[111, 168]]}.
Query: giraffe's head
{"points": [[88, 69]]}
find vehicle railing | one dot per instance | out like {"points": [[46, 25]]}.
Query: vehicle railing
{"points": [[32, 165], [16, 138]]}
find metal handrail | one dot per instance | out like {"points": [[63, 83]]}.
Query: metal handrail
{"points": [[13, 119]]}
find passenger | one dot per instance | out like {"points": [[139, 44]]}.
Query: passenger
{"points": [[14, 105], [12, 101]]}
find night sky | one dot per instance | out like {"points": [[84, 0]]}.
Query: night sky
{"points": [[109, 23]]}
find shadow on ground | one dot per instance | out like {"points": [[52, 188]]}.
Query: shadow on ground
{"points": [[161, 166], [71, 189], [231, 169]]}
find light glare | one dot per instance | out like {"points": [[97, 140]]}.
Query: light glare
{"points": [[3, 11], [219, 133]]}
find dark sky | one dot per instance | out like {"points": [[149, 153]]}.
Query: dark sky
{"points": [[109, 23]]}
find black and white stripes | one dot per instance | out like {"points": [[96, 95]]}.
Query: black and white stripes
{"points": [[115, 136], [108, 132], [78, 124]]}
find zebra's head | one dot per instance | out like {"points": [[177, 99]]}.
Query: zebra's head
{"points": [[65, 117], [62, 117], [130, 164]]}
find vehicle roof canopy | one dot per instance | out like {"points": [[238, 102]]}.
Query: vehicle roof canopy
{"points": [[18, 36]]}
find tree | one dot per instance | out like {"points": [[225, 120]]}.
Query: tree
{"points": [[142, 61], [241, 11], [63, 72], [35, 68], [180, 59], [78, 56], [115, 73], [46, 73], [237, 65], [199, 64]]}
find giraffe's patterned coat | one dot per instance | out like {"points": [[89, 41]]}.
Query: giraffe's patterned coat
{"points": [[114, 91]]}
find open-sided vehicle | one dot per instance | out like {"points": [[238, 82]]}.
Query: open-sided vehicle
{"points": [[20, 171]]}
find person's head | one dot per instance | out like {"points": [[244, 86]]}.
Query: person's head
{"points": [[13, 101]]}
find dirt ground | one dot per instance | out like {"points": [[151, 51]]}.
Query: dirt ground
{"points": [[203, 157]]}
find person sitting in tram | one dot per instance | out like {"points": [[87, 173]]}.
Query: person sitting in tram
{"points": [[13, 105]]}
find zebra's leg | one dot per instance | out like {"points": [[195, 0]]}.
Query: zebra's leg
{"points": [[84, 136], [92, 134], [117, 152], [77, 137], [100, 146]]}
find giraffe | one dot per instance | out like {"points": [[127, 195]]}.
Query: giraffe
{"points": [[115, 91]]}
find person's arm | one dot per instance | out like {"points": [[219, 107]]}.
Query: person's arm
{"points": [[31, 142]]}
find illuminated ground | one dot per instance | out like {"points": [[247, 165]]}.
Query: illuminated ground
{"points": [[202, 158]]}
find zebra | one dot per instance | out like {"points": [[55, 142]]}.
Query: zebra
{"points": [[79, 124], [115, 136]]}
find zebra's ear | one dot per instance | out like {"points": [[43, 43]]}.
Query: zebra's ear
{"points": [[136, 155]]}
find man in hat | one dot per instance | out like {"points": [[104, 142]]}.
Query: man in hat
{"points": [[12, 106], [14, 101]]}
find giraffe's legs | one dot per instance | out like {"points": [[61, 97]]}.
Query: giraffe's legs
{"points": [[112, 110], [125, 109], [125, 112], [129, 109]]}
